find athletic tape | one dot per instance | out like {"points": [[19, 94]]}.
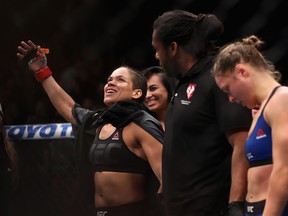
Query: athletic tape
{"points": [[37, 131]]}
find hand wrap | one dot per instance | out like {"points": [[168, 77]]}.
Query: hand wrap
{"points": [[37, 62], [30, 56], [36, 55]]}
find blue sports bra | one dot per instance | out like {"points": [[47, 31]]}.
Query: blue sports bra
{"points": [[259, 143]]}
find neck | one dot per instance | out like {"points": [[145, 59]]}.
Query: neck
{"points": [[265, 87], [161, 117], [185, 62]]}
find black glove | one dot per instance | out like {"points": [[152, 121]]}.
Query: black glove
{"points": [[29, 56], [160, 197], [32, 55], [160, 204], [236, 208]]}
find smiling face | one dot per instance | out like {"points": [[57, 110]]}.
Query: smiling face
{"points": [[157, 95], [120, 87]]}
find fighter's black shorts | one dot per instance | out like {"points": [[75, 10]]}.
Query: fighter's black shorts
{"points": [[142, 208], [257, 208]]}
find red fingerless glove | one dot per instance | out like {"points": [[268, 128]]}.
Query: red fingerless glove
{"points": [[43, 73]]}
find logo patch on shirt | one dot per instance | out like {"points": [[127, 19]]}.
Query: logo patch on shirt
{"points": [[116, 136], [190, 90], [260, 134]]}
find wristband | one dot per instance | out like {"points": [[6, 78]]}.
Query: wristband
{"points": [[43, 73]]}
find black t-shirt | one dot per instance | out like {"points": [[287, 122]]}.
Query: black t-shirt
{"points": [[196, 153]]}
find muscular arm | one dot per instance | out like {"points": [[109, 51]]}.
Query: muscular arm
{"points": [[153, 151], [146, 147], [62, 102], [239, 165], [277, 117], [58, 97]]}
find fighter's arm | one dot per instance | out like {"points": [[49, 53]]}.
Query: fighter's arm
{"points": [[146, 147], [276, 116], [59, 98], [239, 167]]}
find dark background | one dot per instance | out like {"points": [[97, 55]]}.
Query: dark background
{"points": [[88, 39]]}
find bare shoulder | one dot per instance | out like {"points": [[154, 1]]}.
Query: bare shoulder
{"points": [[132, 133], [134, 130], [276, 109], [280, 98]]}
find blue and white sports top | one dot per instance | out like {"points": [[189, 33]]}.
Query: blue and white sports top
{"points": [[259, 143]]}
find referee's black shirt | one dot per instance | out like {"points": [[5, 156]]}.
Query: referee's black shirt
{"points": [[196, 153]]}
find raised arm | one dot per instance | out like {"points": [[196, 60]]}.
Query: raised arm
{"points": [[35, 57]]}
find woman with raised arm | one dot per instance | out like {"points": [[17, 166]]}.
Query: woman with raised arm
{"points": [[127, 142]]}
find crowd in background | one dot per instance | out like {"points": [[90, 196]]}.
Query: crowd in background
{"points": [[83, 50], [88, 39], [30, 105]]}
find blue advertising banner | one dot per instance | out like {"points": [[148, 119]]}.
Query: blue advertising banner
{"points": [[45, 131]]}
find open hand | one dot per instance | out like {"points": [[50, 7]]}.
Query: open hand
{"points": [[32, 55]]}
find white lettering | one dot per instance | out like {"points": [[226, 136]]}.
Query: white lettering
{"points": [[101, 213], [47, 131], [184, 102], [250, 208]]}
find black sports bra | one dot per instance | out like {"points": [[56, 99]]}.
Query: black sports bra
{"points": [[112, 154]]}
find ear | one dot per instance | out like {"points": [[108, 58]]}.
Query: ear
{"points": [[173, 48], [137, 93], [241, 71]]}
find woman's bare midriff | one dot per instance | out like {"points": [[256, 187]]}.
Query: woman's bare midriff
{"points": [[115, 188], [258, 179]]}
